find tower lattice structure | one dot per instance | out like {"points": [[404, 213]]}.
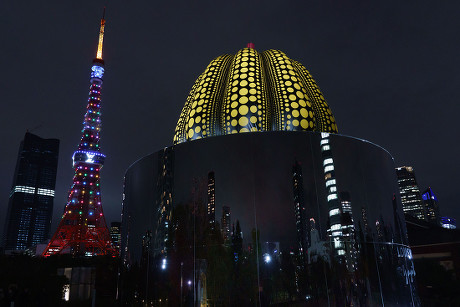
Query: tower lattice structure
{"points": [[83, 230]]}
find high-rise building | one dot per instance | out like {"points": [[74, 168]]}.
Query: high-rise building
{"points": [[30, 205], [225, 223], [83, 230], [431, 207], [115, 234], [301, 218], [410, 192], [211, 200]]}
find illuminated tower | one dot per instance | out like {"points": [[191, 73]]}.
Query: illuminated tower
{"points": [[83, 230], [410, 192]]}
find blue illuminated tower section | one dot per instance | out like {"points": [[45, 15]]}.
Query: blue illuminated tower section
{"points": [[83, 230]]}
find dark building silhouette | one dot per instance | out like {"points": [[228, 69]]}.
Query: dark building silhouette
{"points": [[301, 218], [30, 205], [226, 223], [211, 200], [431, 207], [410, 192]]}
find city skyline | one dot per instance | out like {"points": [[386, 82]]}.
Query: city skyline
{"points": [[371, 62]]}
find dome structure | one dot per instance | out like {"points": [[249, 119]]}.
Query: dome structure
{"points": [[252, 91]]}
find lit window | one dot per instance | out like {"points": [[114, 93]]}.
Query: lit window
{"points": [[328, 161], [330, 182], [329, 168], [334, 212], [331, 197]]}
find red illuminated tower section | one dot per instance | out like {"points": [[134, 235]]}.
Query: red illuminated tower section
{"points": [[83, 230]]}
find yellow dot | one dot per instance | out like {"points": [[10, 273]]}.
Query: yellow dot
{"points": [[297, 86], [289, 67], [235, 82], [302, 103], [295, 113], [260, 112], [293, 78], [234, 122], [243, 76], [285, 76], [300, 94], [288, 83], [198, 119], [243, 110], [254, 129], [244, 69], [252, 84], [234, 105], [243, 91], [292, 97], [252, 91], [251, 79], [311, 124], [199, 109], [253, 108], [190, 122], [243, 100], [304, 123], [253, 119], [311, 114], [234, 96], [244, 83], [294, 105], [190, 133], [234, 131], [234, 113], [200, 102], [192, 113], [244, 130], [194, 105], [236, 76], [252, 98], [197, 129], [234, 89], [244, 64], [290, 89], [295, 122], [243, 121], [304, 113]]}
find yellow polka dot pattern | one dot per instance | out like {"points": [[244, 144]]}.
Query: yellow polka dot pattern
{"points": [[324, 118], [253, 91], [292, 106], [245, 105]]}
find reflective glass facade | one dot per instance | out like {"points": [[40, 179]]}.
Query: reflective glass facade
{"points": [[316, 220]]}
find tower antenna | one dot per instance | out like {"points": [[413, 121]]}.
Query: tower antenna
{"points": [[101, 37]]}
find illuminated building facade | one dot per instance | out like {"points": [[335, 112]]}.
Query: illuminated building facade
{"points": [[430, 202], [83, 230], [410, 192], [448, 222], [115, 234], [30, 205], [264, 111]]}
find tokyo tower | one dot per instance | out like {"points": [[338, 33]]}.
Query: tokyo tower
{"points": [[83, 230]]}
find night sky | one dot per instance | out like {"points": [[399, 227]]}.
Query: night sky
{"points": [[389, 71]]}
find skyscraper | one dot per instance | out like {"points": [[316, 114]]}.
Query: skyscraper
{"points": [[301, 218], [30, 206], [211, 200], [410, 192], [226, 223], [115, 234], [83, 230], [431, 207]]}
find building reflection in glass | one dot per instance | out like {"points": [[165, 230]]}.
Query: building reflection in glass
{"points": [[326, 230]]}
